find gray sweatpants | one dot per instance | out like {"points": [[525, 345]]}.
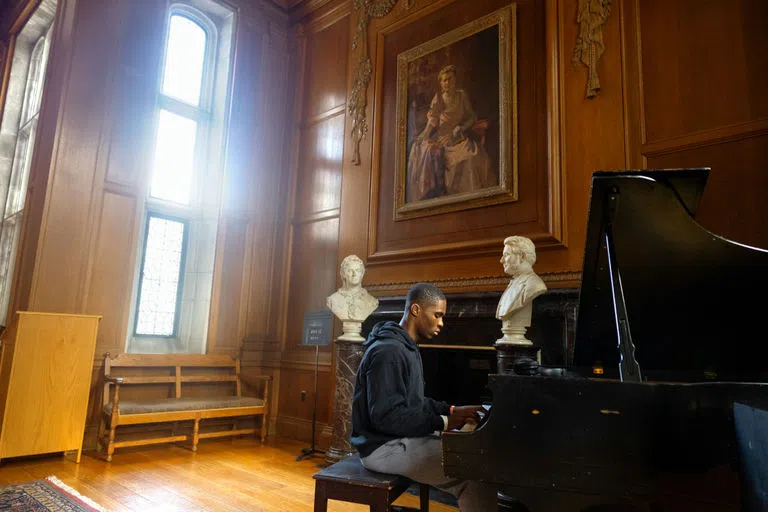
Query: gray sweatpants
{"points": [[420, 459]]}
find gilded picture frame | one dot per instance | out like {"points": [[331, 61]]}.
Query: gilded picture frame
{"points": [[456, 146]]}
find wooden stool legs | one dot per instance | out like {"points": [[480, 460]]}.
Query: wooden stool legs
{"points": [[378, 499], [321, 499]]}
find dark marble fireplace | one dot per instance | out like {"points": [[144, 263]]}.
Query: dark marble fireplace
{"points": [[457, 362]]}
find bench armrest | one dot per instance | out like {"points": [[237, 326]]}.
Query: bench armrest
{"points": [[250, 382], [258, 377], [115, 392]]}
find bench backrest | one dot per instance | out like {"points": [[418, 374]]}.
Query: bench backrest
{"points": [[183, 368]]}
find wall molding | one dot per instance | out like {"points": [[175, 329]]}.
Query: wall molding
{"points": [[300, 428], [558, 278], [720, 135]]}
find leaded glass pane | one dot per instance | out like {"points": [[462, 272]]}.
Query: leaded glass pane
{"points": [[184, 60], [17, 188], [160, 274], [174, 158], [9, 240], [34, 90]]}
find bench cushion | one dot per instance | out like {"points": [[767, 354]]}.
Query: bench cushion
{"points": [[351, 470], [183, 404]]}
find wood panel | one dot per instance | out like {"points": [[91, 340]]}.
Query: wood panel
{"points": [[294, 382], [702, 102], [62, 253], [703, 64], [312, 220], [733, 204], [313, 273], [269, 203], [326, 78], [132, 87], [234, 242], [320, 158], [111, 278]]}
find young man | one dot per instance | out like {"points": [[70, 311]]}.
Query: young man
{"points": [[394, 426]]}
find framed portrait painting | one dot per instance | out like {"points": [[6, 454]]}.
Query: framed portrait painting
{"points": [[456, 113]]}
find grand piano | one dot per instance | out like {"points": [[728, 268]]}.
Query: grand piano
{"points": [[670, 338]]}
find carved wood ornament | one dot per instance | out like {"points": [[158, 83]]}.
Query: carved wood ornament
{"points": [[590, 45], [366, 9]]}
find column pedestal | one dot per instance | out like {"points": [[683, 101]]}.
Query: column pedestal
{"points": [[508, 353], [348, 356]]}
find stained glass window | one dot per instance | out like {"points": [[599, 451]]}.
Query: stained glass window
{"points": [[160, 277]]}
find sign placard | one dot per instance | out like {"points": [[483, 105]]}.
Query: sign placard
{"points": [[318, 328]]}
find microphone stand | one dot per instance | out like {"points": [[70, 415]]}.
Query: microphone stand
{"points": [[308, 452]]}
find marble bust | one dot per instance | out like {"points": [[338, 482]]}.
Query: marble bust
{"points": [[352, 303], [515, 305]]}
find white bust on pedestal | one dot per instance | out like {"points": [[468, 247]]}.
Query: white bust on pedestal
{"points": [[352, 303], [515, 305]]}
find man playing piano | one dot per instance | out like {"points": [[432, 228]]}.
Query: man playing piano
{"points": [[394, 426]]}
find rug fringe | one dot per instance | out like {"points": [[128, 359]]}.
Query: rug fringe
{"points": [[58, 483]]}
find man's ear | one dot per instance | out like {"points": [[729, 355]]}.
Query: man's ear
{"points": [[415, 309]]}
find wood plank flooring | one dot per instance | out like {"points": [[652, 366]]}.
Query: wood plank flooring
{"points": [[224, 475]]}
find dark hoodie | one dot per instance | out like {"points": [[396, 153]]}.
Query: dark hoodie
{"points": [[389, 402]]}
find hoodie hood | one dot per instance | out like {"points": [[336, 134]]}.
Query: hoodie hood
{"points": [[390, 330]]}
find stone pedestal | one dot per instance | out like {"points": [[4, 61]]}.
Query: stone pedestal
{"points": [[348, 357], [508, 353]]}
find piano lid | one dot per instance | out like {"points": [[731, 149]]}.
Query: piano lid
{"points": [[695, 301]]}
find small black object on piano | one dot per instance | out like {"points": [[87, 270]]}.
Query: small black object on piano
{"points": [[529, 366]]}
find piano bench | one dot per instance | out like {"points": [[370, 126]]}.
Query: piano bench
{"points": [[348, 480]]}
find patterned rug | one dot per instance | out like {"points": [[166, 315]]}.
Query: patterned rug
{"points": [[45, 495]]}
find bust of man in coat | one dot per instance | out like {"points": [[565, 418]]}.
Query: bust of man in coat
{"points": [[515, 305], [352, 303]]}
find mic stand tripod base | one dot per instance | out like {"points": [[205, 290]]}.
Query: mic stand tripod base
{"points": [[308, 452]]}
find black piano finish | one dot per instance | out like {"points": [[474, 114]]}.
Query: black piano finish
{"points": [[666, 441]]}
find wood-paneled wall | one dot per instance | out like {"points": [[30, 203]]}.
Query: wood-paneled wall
{"points": [[312, 219], [682, 85], [89, 175], [702, 96]]}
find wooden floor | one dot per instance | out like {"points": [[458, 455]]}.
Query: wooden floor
{"points": [[227, 475]]}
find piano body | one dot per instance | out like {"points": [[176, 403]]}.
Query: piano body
{"points": [[668, 339]]}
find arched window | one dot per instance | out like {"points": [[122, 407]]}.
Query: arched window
{"points": [[174, 276], [18, 133]]}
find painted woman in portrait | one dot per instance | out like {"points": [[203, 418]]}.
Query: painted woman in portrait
{"points": [[449, 157]]}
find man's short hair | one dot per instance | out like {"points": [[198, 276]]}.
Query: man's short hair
{"points": [[423, 294], [524, 246]]}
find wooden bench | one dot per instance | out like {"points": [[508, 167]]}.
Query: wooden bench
{"points": [[348, 480], [182, 372]]}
